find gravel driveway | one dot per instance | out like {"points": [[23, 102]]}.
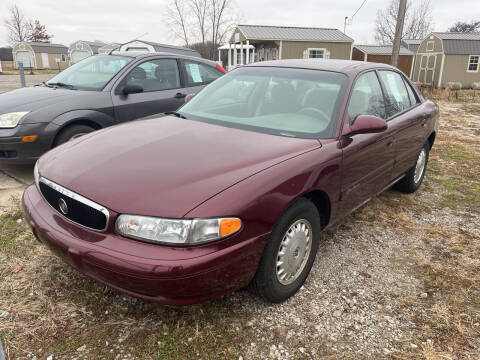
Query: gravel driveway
{"points": [[398, 279], [12, 82]]}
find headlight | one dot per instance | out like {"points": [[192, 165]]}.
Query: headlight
{"points": [[176, 231], [10, 120], [36, 175]]}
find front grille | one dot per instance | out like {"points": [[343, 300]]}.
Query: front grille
{"points": [[76, 208]]}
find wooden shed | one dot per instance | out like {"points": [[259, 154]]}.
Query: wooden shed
{"points": [[39, 55], [252, 43], [383, 54], [445, 57]]}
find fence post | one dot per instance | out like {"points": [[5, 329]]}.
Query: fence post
{"points": [[22, 73]]}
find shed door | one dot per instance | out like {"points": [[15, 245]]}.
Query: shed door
{"points": [[427, 69], [26, 57], [45, 63], [78, 55]]}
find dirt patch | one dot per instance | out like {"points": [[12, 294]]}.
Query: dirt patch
{"points": [[399, 279]]}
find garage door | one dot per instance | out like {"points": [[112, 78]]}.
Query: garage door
{"points": [[78, 55], [26, 57]]}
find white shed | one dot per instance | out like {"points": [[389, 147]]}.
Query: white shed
{"points": [[81, 49]]}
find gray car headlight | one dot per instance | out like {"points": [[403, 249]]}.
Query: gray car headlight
{"points": [[176, 231], [11, 120]]}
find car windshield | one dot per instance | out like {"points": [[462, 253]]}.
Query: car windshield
{"points": [[281, 101], [92, 73]]}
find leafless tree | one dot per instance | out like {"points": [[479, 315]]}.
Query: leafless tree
{"points": [[17, 25], [418, 22], [200, 9], [177, 17], [203, 24]]}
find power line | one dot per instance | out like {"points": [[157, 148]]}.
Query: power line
{"points": [[349, 20], [363, 3]]}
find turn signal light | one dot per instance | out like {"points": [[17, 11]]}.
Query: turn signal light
{"points": [[29, 138], [229, 226]]}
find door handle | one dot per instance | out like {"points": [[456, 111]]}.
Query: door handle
{"points": [[179, 96]]}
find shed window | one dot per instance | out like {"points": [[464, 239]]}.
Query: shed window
{"points": [[63, 57], [473, 63], [316, 53], [430, 45]]}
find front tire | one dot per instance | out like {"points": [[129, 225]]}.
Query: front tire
{"points": [[72, 132], [289, 254], [414, 176]]}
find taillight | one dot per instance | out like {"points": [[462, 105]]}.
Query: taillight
{"points": [[219, 67]]}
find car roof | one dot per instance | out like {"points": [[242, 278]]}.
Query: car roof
{"points": [[350, 67], [141, 55]]}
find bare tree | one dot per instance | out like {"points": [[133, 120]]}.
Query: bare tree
{"points": [[177, 17], [17, 25], [203, 24], [465, 27], [199, 9], [418, 22], [222, 21]]}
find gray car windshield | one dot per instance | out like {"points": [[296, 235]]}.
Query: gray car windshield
{"points": [[281, 101], [92, 73]]}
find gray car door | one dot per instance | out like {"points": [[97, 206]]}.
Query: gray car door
{"points": [[198, 74], [162, 90]]}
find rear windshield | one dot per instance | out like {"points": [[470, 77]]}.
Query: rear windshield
{"points": [[92, 73], [281, 101]]}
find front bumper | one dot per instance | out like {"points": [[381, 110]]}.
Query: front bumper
{"points": [[13, 150], [169, 275]]}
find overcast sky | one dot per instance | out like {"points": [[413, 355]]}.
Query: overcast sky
{"points": [[121, 20]]}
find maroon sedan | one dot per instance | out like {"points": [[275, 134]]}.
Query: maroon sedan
{"points": [[234, 188]]}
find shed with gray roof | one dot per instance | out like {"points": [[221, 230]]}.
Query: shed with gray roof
{"points": [[40, 55], [251, 43], [445, 57], [383, 54]]}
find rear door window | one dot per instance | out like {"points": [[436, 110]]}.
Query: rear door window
{"points": [[200, 74], [397, 96]]}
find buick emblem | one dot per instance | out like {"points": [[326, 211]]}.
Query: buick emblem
{"points": [[63, 206]]}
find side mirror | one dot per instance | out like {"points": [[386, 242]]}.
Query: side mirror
{"points": [[189, 97], [365, 124], [132, 89]]}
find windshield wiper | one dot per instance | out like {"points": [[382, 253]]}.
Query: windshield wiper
{"points": [[47, 85], [60, 84], [177, 114]]}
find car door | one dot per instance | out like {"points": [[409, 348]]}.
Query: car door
{"points": [[406, 117], [162, 90], [198, 75], [367, 158]]}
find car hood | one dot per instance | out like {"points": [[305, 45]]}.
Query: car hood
{"points": [[36, 97], [164, 166]]}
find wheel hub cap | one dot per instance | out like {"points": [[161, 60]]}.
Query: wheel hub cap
{"points": [[420, 166], [294, 251]]}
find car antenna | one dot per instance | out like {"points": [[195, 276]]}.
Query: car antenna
{"points": [[138, 37]]}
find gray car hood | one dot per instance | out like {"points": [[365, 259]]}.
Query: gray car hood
{"points": [[53, 100]]}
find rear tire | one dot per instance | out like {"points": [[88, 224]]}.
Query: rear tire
{"points": [[289, 253], [71, 132], [414, 176]]}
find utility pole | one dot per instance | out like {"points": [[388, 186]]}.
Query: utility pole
{"points": [[398, 31]]}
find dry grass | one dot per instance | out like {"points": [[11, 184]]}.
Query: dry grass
{"points": [[47, 308]]}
